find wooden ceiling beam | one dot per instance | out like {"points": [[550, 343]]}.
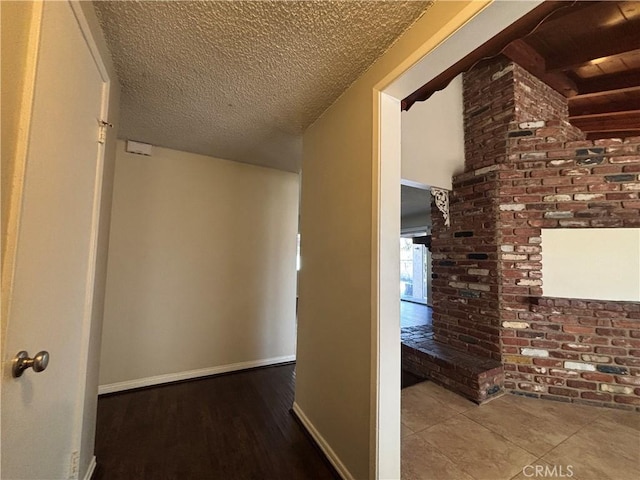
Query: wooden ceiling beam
{"points": [[625, 113], [608, 123], [600, 93], [606, 107], [605, 83], [559, 19], [490, 48], [613, 40], [616, 134], [528, 58]]}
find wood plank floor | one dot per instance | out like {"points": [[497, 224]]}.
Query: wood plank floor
{"points": [[414, 314], [229, 427]]}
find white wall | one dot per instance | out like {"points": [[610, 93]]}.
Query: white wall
{"points": [[433, 139], [202, 267], [591, 263]]}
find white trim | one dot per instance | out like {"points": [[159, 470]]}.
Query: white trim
{"points": [[190, 374], [89, 39], [87, 320], [385, 378], [323, 444], [91, 469]]}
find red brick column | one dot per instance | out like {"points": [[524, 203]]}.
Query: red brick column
{"points": [[527, 168]]}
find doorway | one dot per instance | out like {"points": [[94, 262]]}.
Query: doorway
{"points": [[415, 236], [415, 265]]}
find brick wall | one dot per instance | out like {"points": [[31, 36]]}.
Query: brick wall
{"points": [[465, 262], [527, 168], [589, 351], [465, 255], [575, 350]]}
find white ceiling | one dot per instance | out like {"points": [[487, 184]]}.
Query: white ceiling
{"points": [[242, 80]]}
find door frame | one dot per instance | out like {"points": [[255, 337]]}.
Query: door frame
{"points": [[476, 23], [95, 226]]}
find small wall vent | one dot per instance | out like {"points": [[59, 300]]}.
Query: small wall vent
{"points": [[139, 148]]}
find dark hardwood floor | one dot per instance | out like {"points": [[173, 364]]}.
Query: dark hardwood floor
{"points": [[414, 314], [230, 427]]}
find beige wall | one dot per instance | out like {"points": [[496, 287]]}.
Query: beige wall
{"points": [[336, 381], [433, 138], [202, 266], [16, 23]]}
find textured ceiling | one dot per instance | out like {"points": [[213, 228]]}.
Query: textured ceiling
{"points": [[242, 80]]}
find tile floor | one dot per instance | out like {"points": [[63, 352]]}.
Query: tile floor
{"points": [[446, 437]]}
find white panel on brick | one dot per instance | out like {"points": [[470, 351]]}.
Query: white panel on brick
{"points": [[591, 263]]}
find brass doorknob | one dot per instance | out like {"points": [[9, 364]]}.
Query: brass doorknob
{"points": [[22, 361]]}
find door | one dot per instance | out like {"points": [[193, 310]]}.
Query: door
{"points": [[415, 271], [54, 249]]}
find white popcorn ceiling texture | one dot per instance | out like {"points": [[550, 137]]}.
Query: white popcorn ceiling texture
{"points": [[242, 80]]}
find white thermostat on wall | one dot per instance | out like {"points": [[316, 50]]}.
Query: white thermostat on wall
{"points": [[139, 148]]}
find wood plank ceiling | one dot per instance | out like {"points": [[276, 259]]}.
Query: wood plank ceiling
{"points": [[588, 51]]}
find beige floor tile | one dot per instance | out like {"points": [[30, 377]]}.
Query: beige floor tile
{"points": [[420, 410], [540, 470], [628, 419], [420, 461], [623, 440], [405, 430], [535, 429], [447, 397], [567, 412], [603, 450], [476, 450]]}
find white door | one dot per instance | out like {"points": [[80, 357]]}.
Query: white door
{"points": [[55, 247]]}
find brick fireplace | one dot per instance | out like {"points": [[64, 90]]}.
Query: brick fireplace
{"points": [[528, 168]]}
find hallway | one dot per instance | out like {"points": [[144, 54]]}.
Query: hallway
{"points": [[228, 427], [238, 427]]}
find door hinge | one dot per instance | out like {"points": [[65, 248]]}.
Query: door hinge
{"points": [[102, 130]]}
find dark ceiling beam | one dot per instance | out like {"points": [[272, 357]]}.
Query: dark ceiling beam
{"points": [[528, 58], [608, 123], [625, 113], [616, 134], [490, 48], [614, 40], [575, 10], [598, 87], [588, 108]]}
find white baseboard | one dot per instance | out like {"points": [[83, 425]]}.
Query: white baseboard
{"points": [[202, 372], [91, 469], [322, 443]]}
